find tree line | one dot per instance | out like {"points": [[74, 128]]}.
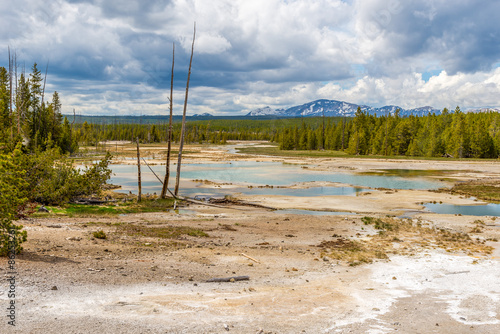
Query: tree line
{"points": [[217, 131], [451, 134], [26, 116]]}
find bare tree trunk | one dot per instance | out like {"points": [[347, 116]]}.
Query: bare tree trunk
{"points": [[184, 119], [44, 81], [11, 111], [169, 138], [139, 171], [10, 82], [18, 109]]}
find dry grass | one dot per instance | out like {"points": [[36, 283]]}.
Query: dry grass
{"points": [[403, 237], [486, 190]]}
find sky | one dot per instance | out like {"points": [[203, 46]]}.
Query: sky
{"points": [[110, 57]]}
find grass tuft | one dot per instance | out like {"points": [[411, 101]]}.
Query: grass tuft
{"points": [[400, 236]]}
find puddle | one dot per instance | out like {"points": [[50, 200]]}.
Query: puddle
{"points": [[415, 172], [465, 210], [245, 173]]}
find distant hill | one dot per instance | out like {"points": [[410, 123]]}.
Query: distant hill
{"points": [[338, 108], [157, 119], [483, 110], [203, 115]]}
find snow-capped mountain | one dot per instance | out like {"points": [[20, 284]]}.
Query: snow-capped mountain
{"points": [[203, 115], [265, 111], [483, 110], [338, 108]]}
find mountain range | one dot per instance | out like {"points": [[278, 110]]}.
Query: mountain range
{"points": [[338, 108]]}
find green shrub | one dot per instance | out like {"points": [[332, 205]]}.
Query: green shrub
{"points": [[53, 180], [100, 235], [13, 198]]}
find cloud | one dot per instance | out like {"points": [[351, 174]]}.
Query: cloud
{"points": [[471, 90], [462, 37], [110, 56]]}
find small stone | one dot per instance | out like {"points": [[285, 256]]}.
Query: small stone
{"points": [[394, 277], [232, 280], [54, 288], [295, 269], [325, 259], [251, 289], [376, 309], [226, 327], [43, 209]]}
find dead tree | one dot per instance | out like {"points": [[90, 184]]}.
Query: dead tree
{"points": [[44, 82], [169, 137], [18, 109], [138, 171], [181, 145], [10, 87]]}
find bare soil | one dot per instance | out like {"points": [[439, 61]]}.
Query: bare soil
{"points": [[70, 282]]}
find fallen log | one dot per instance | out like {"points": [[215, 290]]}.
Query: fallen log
{"points": [[229, 279], [249, 257]]}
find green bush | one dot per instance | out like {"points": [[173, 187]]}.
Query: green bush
{"points": [[53, 180], [13, 198], [100, 235]]}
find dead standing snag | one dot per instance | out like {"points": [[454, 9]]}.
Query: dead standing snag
{"points": [[183, 129], [169, 139]]}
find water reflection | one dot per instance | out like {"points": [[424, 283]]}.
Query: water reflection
{"points": [[465, 210], [245, 173]]}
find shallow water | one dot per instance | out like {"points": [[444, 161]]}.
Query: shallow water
{"points": [[245, 173], [465, 210]]}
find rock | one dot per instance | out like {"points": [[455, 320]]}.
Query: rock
{"points": [[43, 209], [226, 327], [54, 288], [74, 238], [325, 259]]}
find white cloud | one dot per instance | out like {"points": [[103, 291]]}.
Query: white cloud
{"points": [[250, 54], [480, 89]]}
